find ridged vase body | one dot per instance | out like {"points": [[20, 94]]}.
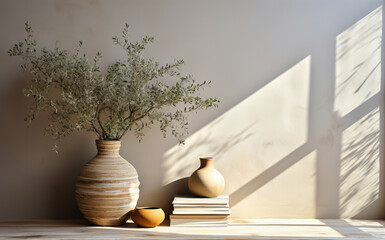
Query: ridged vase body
{"points": [[107, 189], [206, 181]]}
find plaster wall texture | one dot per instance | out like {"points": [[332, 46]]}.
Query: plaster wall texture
{"points": [[299, 130]]}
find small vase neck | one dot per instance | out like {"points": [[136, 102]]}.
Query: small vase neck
{"points": [[207, 162], [108, 147]]}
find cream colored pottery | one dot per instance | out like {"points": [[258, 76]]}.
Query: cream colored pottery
{"points": [[108, 187], [148, 216], [206, 181]]}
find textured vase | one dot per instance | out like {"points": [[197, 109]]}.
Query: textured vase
{"points": [[107, 189], [206, 181]]}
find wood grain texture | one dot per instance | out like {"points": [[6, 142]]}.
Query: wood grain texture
{"points": [[311, 229], [108, 187]]}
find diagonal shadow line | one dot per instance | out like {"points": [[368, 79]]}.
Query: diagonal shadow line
{"points": [[271, 173], [345, 229], [367, 77], [299, 153], [361, 111]]}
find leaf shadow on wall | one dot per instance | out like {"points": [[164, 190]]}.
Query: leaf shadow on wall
{"points": [[358, 102], [294, 159]]}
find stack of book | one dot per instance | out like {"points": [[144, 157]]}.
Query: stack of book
{"points": [[192, 211]]}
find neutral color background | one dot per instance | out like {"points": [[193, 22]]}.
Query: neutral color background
{"points": [[299, 130]]}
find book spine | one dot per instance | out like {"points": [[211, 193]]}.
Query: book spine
{"points": [[202, 213]]}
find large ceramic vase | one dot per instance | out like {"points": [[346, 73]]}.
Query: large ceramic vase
{"points": [[206, 181], [107, 189]]}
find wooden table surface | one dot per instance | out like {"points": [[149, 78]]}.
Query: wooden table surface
{"points": [[237, 229]]}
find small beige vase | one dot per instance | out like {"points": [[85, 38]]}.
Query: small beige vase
{"points": [[206, 181], [108, 187]]}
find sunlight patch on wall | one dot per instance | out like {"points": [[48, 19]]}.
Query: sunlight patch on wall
{"points": [[358, 81], [291, 194], [360, 165], [358, 63], [252, 136]]}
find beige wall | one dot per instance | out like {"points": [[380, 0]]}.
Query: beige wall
{"points": [[298, 133]]}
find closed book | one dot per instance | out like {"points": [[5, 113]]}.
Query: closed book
{"points": [[195, 218], [180, 211], [199, 216], [198, 225], [197, 222], [200, 209], [188, 200], [185, 206]]}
